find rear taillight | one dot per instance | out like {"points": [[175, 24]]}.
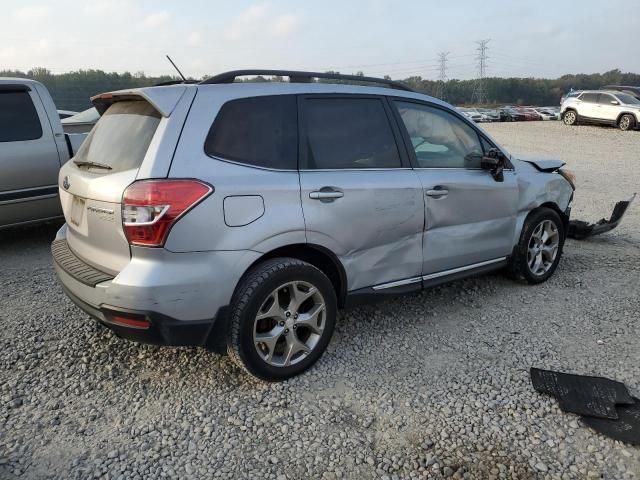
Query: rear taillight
{"points": [[151, 207]]}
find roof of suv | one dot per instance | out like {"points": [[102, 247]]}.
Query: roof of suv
{"points": [[164, 98]]}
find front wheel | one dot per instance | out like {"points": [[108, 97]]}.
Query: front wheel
{"points": [[570, 117], [282, 318], [538, 252], [626, 122]]}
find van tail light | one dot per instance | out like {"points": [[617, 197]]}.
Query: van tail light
{"points": [[151, 207]]}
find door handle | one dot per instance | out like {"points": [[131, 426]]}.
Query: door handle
{"points": [[325, 194], [437, 192]]}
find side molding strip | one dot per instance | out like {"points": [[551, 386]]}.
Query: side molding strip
{"points": [[462, 269], [444, 273]]}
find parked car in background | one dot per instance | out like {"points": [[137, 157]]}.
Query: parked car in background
{"points": [[471, 114], [508, 114], [81, 122], [529, 113], [603, 108], [545, 114], [66, 113], [491, 115], [193, 216], [33, 147], [633, 91]]}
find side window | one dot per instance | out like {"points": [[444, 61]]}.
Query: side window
{"points": [[18, 117], [440, 140], [486, 146], [589, 97], [260, 131], [605, 99], [349, 133]]}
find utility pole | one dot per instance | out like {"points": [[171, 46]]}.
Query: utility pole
{"points": [[442, 79], [479, 90]]}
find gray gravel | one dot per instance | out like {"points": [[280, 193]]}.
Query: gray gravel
{"points": [[428, 386]]}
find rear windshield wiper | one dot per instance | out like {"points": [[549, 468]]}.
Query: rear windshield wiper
{"points": [[87, 163]]}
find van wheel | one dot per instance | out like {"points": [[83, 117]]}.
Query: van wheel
{"points": [[570, 117], [626, 122], [282, 317], [538, 252]]}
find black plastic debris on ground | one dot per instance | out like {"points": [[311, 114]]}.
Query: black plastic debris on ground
{"points": [[592, 396], [605, 405], [625, 429], [580, 230]]}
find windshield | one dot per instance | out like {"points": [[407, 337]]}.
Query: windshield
{"points": [[627, 99], [121, 137]]}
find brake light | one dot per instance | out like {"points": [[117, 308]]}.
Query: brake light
{"points": [[151, 207]]}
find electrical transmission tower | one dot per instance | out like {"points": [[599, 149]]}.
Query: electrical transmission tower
{"points": [[479, 90], [442, 78]]}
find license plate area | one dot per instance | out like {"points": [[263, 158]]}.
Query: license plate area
{"points": [[77, 211]]}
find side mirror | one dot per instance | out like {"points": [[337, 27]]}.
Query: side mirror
{"points": [[615, 102], [494, 162]]}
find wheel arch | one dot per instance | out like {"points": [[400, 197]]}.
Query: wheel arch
{"points": [[622, 114], [554, 206], [318, 256]]}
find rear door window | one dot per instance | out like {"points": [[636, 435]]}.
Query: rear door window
{"points": [[589, 97], [122, 136], [259, 131], [19, 119], [348, 133]]}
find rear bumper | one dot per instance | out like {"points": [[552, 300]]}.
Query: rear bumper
{"points": [[162, 330], [180, 296]]}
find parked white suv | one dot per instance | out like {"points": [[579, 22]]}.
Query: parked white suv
{"points": [[602, 107]]}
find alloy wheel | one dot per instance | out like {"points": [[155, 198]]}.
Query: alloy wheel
{"points": [[543, 247], [289, 323], [625, 123], [569, 118]]}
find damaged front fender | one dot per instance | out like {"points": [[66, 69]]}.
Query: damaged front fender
{"points": [[580, 230]]}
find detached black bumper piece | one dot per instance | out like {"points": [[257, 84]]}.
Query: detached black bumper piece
{"points": [[580, 230]]}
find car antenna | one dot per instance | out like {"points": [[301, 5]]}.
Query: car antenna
{"points": [[177, 69]]}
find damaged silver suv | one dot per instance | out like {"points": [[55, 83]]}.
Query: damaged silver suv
{"points": [[248, 213]]}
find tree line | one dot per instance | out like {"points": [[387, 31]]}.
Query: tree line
{"points": [[72, 90]]}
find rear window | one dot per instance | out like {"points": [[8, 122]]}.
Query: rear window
{"points": [[260, 131], [18, 117], [122, 136]]}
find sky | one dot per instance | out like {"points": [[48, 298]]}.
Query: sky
{"points": [[528, 38]]}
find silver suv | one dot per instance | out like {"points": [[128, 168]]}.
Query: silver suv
{"points": [[602, 107], [248, 213]]}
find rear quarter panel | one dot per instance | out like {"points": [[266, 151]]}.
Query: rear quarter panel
{"points": [[278, 219]]}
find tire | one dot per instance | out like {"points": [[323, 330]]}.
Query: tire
{"points": [[525, 263], [626, 122], [570, 117], [287, 324]]}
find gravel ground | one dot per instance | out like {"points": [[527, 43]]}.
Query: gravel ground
{"points": [[427, 386]]}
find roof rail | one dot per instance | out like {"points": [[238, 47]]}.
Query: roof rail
{"points": [[302, 77]]}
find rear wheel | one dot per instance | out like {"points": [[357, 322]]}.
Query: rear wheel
{"points": [[626, 122], [540, 247], [570, 117], [282, 318]]}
